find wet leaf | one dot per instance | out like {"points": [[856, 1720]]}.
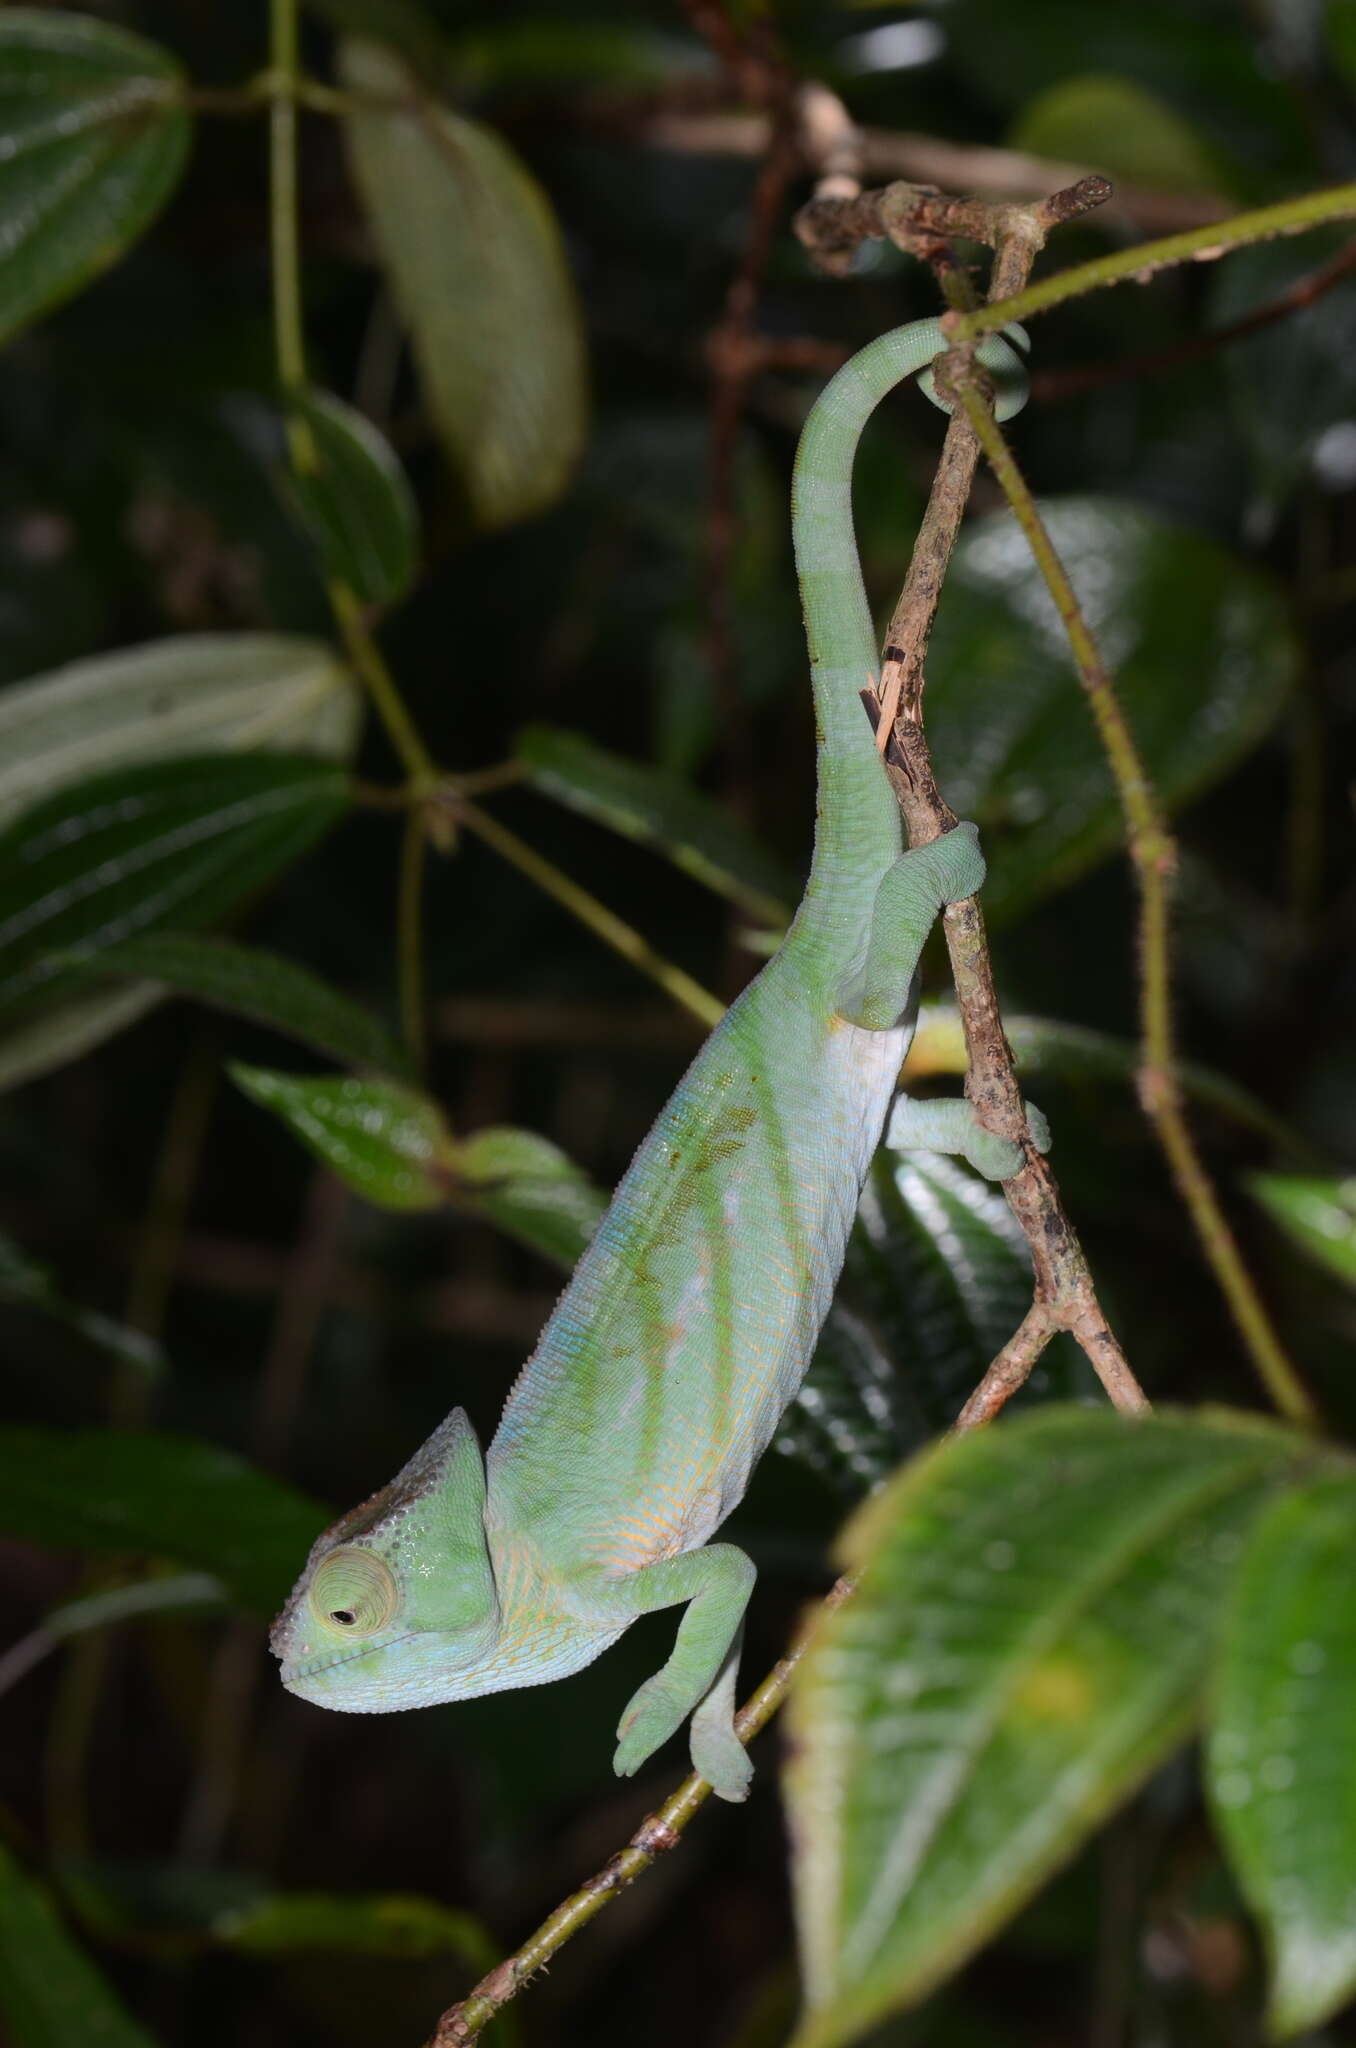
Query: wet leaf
{"points": [[111, 1491], [475, 260], [661, 810], [51, 1994], [1281, 1764], [262, 986], [1317, 1212], [1199, 644], [354, 498], [165, 843], [1028, 1641], [387, 1142], [93, 137]]}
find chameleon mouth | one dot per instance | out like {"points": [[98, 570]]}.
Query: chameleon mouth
{"points": [[314, 1666]]}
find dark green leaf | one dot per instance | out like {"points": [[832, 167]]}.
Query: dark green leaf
{"points": [[29, 1285], [937, 1279], [657, 809], [263, 986], [388, 1143], [1117, 127], [109, 1491], [1028, 1641], [93, 136], [1201, 648], [528, 1186], [51, 1995], [1281, 1761], [166, 843], [398, 1925], [1317, 1212], [354, 497], [475, 260]]}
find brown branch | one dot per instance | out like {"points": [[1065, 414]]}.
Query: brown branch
{"points": [[696, 120], [1153, 855], [1053, 385]]}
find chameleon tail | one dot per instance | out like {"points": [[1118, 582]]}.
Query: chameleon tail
{"points": [[858, 832]]}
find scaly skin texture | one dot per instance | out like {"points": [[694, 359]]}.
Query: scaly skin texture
{"points": [[632, 1430]]}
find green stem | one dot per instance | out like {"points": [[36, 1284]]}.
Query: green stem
{"points": [[1289, 217], [614, 931], [1153, 854], [288, 333], [380, 684], [410, 934]]}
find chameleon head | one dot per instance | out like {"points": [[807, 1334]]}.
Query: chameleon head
{"points": [[397, 1603]]}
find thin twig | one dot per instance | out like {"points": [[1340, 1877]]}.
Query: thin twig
{"points": [[613, 930], [1053, 385], [1153, 855]]}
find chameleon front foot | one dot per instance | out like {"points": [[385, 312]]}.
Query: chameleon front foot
{"points": [[721, 1758]]}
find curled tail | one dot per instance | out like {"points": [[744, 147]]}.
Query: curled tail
{"points": [[858, 832]]}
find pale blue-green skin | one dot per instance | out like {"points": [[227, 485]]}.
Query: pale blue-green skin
{"points": [[632, 1431]]}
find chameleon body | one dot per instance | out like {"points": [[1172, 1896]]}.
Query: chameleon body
{"points": [[632, 1430]]}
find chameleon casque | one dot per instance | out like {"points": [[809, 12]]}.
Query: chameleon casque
{"points": [[632, 1431]]}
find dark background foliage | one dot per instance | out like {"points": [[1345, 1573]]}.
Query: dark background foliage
{"points": [[159, 1767]]}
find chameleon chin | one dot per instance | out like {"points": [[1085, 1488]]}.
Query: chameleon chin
{"points": [[632, 1430]]}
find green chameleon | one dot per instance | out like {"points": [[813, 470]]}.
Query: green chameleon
{"points": [[633, 1429]]}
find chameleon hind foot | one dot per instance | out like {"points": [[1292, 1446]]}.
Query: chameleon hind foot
{"points": [[950, 1125]]}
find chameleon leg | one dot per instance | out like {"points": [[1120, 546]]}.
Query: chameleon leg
{"points": [[715, 1582], [952, 1126], [907, 902]]}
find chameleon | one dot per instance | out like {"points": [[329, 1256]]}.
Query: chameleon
{"points": [[690, 1321]]}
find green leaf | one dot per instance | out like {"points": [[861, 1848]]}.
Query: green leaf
{"points": [[93, 137], [51, 1995], [168, 842], [263, 986], [1012, 735], [1027, 1643], [1317, 1212], [29, 1285], [530, 1189], [184, 695], [1281, 1764], [398, 1925], [936, 1280], [657, 809], [192, 694], [109, 1491], [1118, 127], [389, 1143], [475, 260], [354, 498]]}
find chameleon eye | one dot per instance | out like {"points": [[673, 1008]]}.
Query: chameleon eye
{"points": [[353, 1591]]}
